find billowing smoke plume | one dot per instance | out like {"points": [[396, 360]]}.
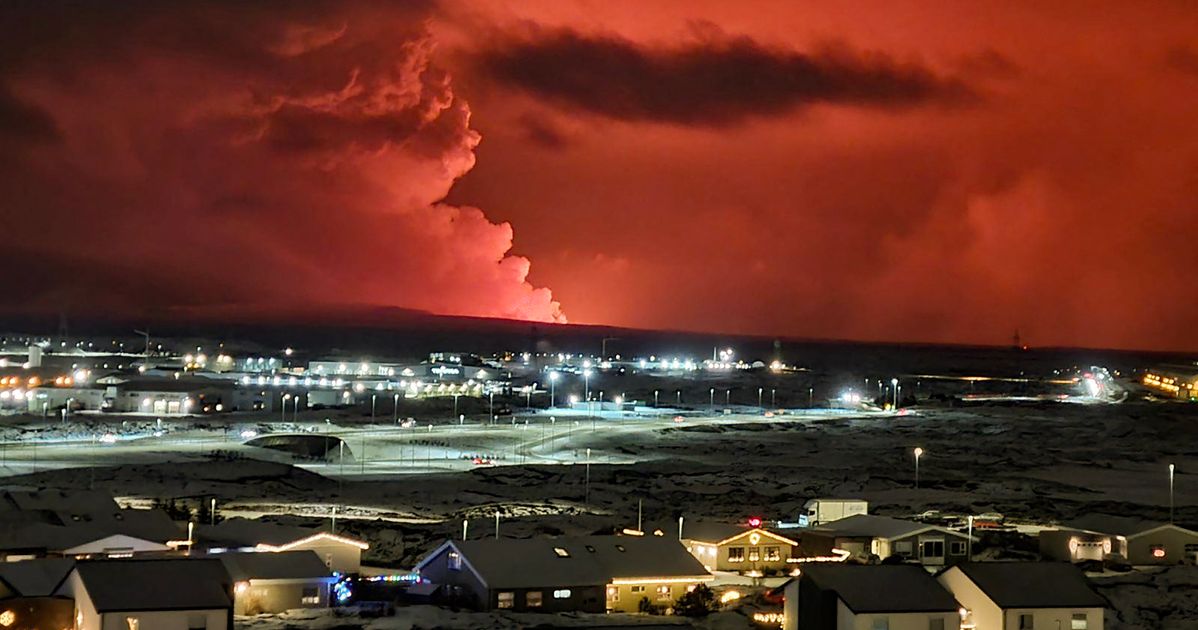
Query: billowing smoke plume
{"points": [[176, 154]]}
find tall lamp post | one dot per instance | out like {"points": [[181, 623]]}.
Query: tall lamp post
{"points": [[552, 390], [283, 410], [711, 399], [918, 452], [1171, 469], [373, 401], [894, 386], [759, 390], [396, 405]]}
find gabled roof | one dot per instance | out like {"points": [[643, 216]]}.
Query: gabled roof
{"points": [[713, 532], [873, 526], [574, 561], [882, 588], [59, 501], [158, 584], [244, 532], [36, 578], [1126, 526], [283, 565], [1032, 584]]}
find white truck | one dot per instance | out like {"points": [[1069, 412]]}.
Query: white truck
{"points": [[820, 511]]}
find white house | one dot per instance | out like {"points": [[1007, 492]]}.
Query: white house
{"points": [[1024, 596], [157, 594], [837, 596]]}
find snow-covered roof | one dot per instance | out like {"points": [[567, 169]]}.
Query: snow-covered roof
{"points": [[874, 526], [1127, 526], [283, 565]]}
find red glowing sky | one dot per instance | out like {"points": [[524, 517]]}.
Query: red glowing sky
{"points": [[871, 170]]}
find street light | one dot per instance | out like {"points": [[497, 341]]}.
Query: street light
{"points": [[1171, 469], [711, 401], [373, 400], [655, 393], [395, 403], [894, 385], [552, 390], [918, 452], [759, 391], [728, 398], [586, 497], [283, 408]]}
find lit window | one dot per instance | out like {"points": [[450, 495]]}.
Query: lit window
{"points": [[613, 593], [132, 622], [736, 554], [455, 561], [561, 552], [310, 596], [534, 599], [772, 555], [663, 591], [754, 554], [1079, 621], [1027, 622], [506, 599], [563, 593]]}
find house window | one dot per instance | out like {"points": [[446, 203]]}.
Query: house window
{"points": [[561, 593], [455, 561], [1027, 622], [881, 623], [754, 554], [736, 554], [507, 599], [936, 623], [932, 549], [902, 548], [561, 552], [663, 591], [772, 555], [613, 593], [1079, 621], [310, 596], [534, 599], [197, 622], [637, 589], [132, 622], [956, 548]]}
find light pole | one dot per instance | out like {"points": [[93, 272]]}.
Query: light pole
{"points": [[395, 404], [1171, 469], [283, 408], [711, 399], [918, 452], [678, 393], [491, 407], [455, 407], [295, 416], [373, 400], [894, 386], [728, 398], [773, 397], [655, 393], [759, 390], [586, 497], [586, 379], [552, 390], [810, 397]]}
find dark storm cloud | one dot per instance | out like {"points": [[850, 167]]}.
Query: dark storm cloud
{"points": [[715, 81]]}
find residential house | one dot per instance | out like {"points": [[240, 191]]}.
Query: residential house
{"points": [[584, 574], [1140, 542], [79, 524], [150, 594], [748, 548], [266, 582], [340, 554], [834, 596], [27, 600], [864, 535], [1024, 596]]}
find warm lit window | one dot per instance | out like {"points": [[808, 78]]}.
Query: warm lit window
{"points": [[613, 593], [772, 555], [561, 552], [663, 591], [310, 596], [1079, 621], [455, 561], [1027, 622], [534, 599], [754, 554], [507, 599], [563, 593], [736, 554]]}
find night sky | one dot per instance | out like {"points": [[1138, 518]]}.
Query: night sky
{"points": [[902, 171]]}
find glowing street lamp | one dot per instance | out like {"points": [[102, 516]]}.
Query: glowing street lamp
{"points": [[1171, 469], [918, 452], [396, 405], [283, 414], [711, 401], [553, 389], [759, 391], [894, 385]]}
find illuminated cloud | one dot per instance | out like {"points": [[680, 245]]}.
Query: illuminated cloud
{"points": [[298, 158]]}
